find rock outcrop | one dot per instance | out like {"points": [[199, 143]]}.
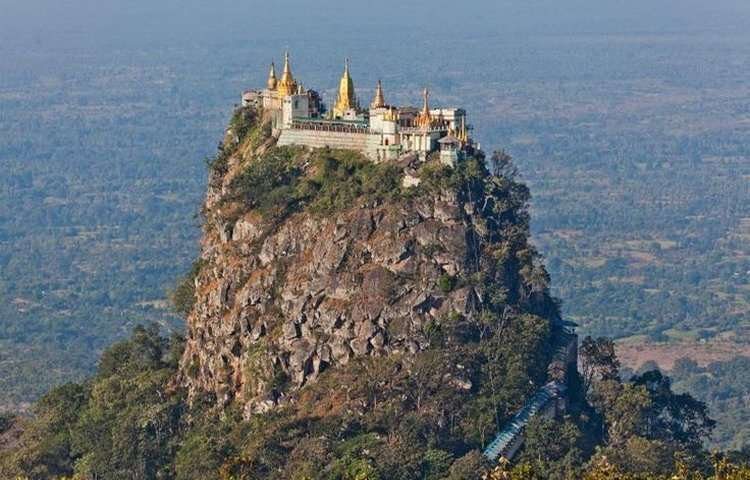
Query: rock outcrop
{"points": [[280, 301]]}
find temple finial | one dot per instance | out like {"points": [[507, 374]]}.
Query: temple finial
{"points": [[346, 98], [424, 119], [287, 67], [379, 100], [287, 85], [272, 77]]}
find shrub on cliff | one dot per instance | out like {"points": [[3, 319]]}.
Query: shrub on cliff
{"points": [[285, 180], [245, 123], [183, 296]]}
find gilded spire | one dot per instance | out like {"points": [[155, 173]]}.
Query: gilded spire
{"points": [[425, 105], [424, 119], [346, 99], [379, 100], [272, 82], [287, 66], [287, 85]]}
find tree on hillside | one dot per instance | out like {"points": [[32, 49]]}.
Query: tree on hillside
{"points": [[674, 417], [551, 447], [646, 424], [598, 360]]}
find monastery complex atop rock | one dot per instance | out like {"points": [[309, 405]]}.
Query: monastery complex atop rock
{"points": [[381, 131]]}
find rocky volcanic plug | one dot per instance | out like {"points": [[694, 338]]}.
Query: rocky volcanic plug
{"points": [[281, 297]]}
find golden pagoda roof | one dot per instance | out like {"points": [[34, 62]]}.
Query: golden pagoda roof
{"points": [[346, 98], [287, 85]]}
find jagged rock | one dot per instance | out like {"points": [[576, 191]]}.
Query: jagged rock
{"points": [[260, 406], [291, 330], [324, 353], [461, 383], [246, 230], [378, 341], [341, 352], [446, 212], [311, 292], [360, 346], [412, 346]]}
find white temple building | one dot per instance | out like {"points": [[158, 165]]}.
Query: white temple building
{"points": [[381, 131]]}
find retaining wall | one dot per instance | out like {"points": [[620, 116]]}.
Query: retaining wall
{"points": [[320, 139]]}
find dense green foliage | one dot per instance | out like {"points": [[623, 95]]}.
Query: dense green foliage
{"points": [[601, 469], [127, 420], [639, 429], [395, 419], [554, 447], [284, 180], [119, 424], [244, 123]]}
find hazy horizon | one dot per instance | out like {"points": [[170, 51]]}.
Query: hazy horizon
{"points": [[69, 24]]}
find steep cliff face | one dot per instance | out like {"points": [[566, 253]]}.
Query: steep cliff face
{"points": [[339, 267]]}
